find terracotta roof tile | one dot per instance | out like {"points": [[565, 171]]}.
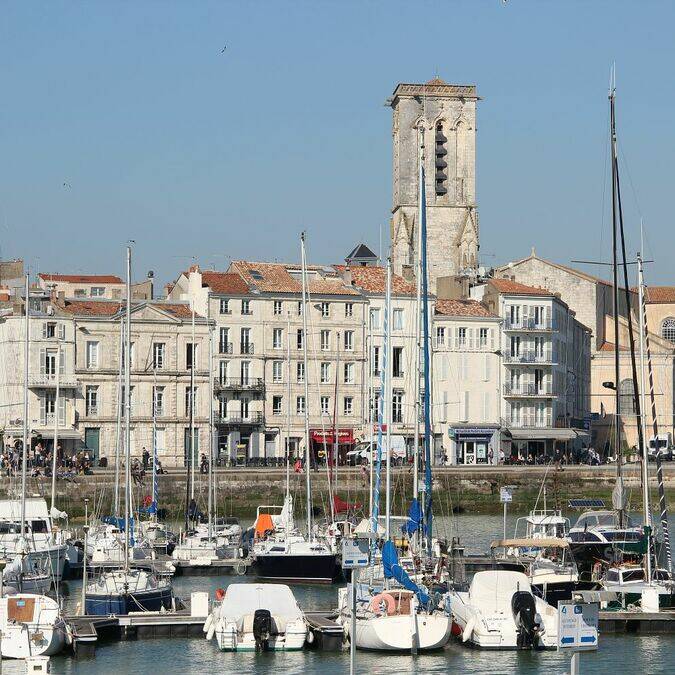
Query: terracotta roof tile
{"points": [[463, 308], [277, 278], [660, 294], [609, 347], [373, 279], [83, 278], [107, 308], [225, 282], [509, 287]]}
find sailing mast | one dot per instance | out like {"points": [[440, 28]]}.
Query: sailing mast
{"points": [[212, 438], [57, 395], [288, 408], [24, 454], [118, 431], [153, 505], [127, 418], [305, 309], [388, 389]]}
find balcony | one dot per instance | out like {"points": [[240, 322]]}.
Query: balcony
{"points": [[531, 422], [256, 384], [224, 347], [528, 390], [246, 348], [49, 382], [529, 324], [530, 357], [253, 419]]}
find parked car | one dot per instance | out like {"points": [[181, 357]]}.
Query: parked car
{"points": [[662, 444], [362, 452]]}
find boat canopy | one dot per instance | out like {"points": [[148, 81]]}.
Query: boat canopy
{"points": [[263, 525], [537, 542]]}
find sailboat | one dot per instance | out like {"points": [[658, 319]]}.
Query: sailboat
{"points": [[279, 550], [30, 624], [127, 590]]}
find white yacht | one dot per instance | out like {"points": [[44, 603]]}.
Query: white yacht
{"points": [[31, 625], [629, 583], [500, 611], [257, 617]]}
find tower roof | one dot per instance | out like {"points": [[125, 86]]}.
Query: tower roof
{"points": [[361, 253], [434, 88]]}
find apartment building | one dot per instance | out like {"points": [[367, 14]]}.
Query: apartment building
{"points": [[259, 367], [466, 382], [545, 368], [98, 286]]}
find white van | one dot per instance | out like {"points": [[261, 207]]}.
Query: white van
{"points": [[361, 455], [663, 444]]}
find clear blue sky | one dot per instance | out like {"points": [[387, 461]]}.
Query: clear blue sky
{"points": [[163, 139]]}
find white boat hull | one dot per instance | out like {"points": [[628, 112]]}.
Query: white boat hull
{"points": [[402, 633], [229, 639]]}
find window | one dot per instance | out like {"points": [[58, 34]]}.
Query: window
{"points": [[222, 407], [376, 360], [158, 350], [246, 307], [92, 354], [277, 402], [325, 340], [627, 397], [225, 306], [300, 405], [49, 330], [300, 338], [514, 315], [348, 405], [245, 372], [300, 372], [300, 307], [374, 318], [515, 345], [91, 400], [325, 373], [325, 405], [277, 371], [97, 291], [349, 309], [397, 407], [461, 338], [668, 329], [349, 373], [245, 344], [325, 310], [397, 362], [80, 293], [277, 338], [131, 399], [222, 372], [278, 308], [190, 400], [482, 338], [158, 398], [190, 355], [397, 319], [440, 335], [349, 340], [224, 345], [131, 354]]}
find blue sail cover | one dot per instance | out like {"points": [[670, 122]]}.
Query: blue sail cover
{"points": [[415, 519], [392, 570]]}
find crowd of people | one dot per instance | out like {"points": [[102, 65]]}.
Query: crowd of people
{"points": [[40, 460]]}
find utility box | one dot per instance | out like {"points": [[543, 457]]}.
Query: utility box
{"points": [[199, 604]]}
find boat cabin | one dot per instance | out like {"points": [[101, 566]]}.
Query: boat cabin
{"points": [[542, 525]]}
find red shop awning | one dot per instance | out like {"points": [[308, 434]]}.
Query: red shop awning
{"points": [[345, 436]]}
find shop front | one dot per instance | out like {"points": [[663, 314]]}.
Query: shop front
{"points": [[323, 442], [541, 446], [473, 445]]}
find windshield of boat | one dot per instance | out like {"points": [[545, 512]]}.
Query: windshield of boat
{"points": [[633, 575]]}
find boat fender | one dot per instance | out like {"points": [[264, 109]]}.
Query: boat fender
{"points": [[468, 630], [383, 603], [310, 637], [220, 594], [211, 632], [207, 623]]}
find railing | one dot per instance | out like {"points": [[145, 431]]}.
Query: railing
{"points": [[49, 381], [252, 419], [49, 420], [530, 422], [528, 390], [529, 324], [529, 357], [92, 410], [246, 348], [239, 383], [224, 347]]}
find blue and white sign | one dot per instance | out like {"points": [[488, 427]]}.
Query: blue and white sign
{"points": [[355, 553], [578, 625]]}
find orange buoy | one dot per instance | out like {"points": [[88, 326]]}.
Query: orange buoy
{"points": [[383, 603], [220, 594]]}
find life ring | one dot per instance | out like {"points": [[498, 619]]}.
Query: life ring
{"points": [[240, 568], [383, 603]]}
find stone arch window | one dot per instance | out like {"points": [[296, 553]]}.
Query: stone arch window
{"points": [[668, 329], [441, 150], [627, 397]]}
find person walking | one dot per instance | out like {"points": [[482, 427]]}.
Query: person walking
{"points": [[146, 459]]}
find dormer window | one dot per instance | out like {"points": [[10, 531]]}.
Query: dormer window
{"points": [[255, 274]]}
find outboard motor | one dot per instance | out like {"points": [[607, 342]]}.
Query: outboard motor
{"points": [[526, 618], [262, 627]]}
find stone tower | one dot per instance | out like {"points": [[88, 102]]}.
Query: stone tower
{"points": [[446, 116]]}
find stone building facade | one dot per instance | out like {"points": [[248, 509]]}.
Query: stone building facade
{"points": [[442, 117]]}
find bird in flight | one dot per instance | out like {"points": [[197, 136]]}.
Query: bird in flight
{"points": [[67, 185], [222, 51]]}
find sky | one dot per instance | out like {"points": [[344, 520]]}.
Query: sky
{"points": [[210, 131]]}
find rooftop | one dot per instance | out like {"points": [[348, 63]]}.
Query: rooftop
{"points": [[509, 287], [82, 278], [108, 308], [228, 283], [373, 279], [663, 295], [462, 308]]}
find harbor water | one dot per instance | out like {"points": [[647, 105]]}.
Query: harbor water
{"points": [[617, 654]]}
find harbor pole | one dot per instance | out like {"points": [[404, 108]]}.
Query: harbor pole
{"points": [[352, 634], [83, 611]]}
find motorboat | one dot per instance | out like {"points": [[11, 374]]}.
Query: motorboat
{"points": [[157, 536], [31, 625], [542, 524], [629, 583], [257, 617], [28, 574], [547, 562], [125, 591], [500, 611]]}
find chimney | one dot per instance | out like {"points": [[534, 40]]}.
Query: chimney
{"points": [[408, 274]]}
